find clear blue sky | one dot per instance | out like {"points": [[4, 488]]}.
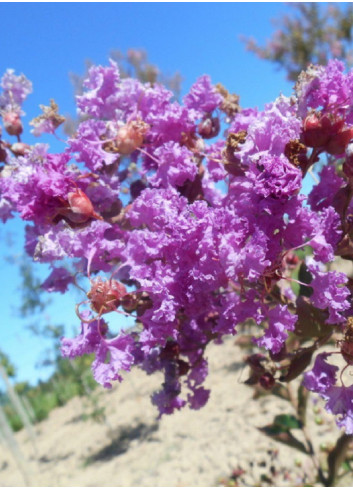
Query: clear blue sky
{"points": [[47, 41]]}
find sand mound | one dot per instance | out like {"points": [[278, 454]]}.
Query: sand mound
{"points": [[189, 448]]}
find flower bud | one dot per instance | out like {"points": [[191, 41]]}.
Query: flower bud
{"points": [[105, 296], [280, 355], [20, 149], [136, 188], [338, 142], [12, 123], [81, 207], [316, 131], [267, 381], [129, 302], [144, 303], [183, 367], [130, 137], [311, 122], [209, 127]]}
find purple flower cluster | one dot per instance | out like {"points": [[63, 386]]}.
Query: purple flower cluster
{"points": [[15, 89], [205, 235], [322, 379]]}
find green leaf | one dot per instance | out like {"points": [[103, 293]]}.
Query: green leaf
{"points": [[346, 466], [305, 276], [284, 437], [286, 422]]}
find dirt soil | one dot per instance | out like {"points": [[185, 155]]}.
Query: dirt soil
{"points": [[189, 448]]}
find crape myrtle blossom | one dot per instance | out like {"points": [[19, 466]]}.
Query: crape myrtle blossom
{"points": [[192, 237], [58, 280], [203, 96], [111, 355], [325, 88], [327, 292], [322, 379], [15, 90]]}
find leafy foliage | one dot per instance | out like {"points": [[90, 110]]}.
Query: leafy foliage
{"points": [[7, 364], [70, 379], [314, 33]]}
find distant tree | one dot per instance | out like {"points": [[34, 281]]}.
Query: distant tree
{"points": [[31, 292], [314, 33], [5, 362]]}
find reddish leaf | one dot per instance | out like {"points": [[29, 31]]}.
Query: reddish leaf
{"points": [[298, 363], [311, 321]]}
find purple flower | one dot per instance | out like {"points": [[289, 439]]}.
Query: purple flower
{"points": [[201, 246], [203, 96], [243, 119], [214, 161], [16, 88], [100, 99], [88, 146], [270, 131], [340, 403], [137, 100], [322, 376], [176, 165], [43, 126], [280, 321], [35, 183], [111, 356], [198, 398], [170, 123], [87, 341], [275, 176], [167, 400], [325, 87], [328, 235], [157, 208], [322, 379], [247, 260], [58, 280], [329, 292], [322, 194]]}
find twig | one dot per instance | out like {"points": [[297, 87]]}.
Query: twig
{"points": [[300, 406], [336, 458]]}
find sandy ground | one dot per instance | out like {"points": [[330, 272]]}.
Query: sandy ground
{"points": [[189, 448]]}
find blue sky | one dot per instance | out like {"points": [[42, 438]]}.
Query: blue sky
{"points": [[46, 41]]}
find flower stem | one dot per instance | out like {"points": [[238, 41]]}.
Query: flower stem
{"points": [[336, 458]]}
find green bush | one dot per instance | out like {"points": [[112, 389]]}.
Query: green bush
{"points": [[43, 403], [70, 379], [13, 418]]}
